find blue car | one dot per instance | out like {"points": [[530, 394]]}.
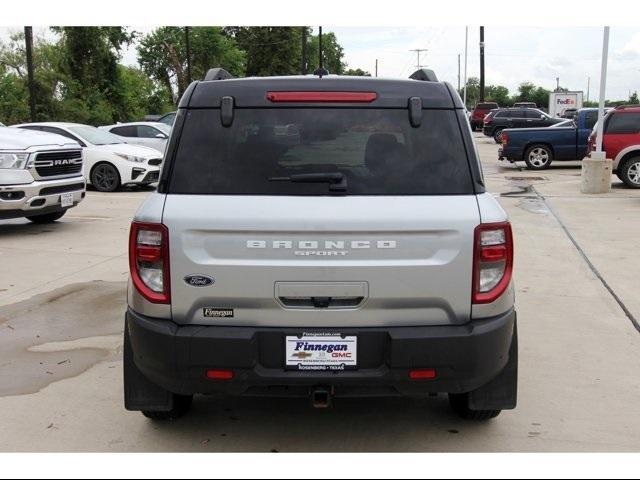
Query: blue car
{"points": [[538, 147]]}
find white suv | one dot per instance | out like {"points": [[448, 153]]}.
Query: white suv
{"points": [[109, 162]]}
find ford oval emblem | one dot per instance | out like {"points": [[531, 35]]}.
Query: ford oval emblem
{"points": [[199, 280]]}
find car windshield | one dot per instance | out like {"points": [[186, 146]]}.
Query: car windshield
{"points": [[166, 129], [95, 135], [300, 151]]}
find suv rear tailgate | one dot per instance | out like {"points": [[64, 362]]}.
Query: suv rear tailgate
{"points": [[280, 261]]}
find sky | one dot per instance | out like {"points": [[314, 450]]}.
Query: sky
{"points": [[513, 54]]}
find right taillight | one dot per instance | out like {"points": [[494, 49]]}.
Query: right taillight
{"points": [[504, 138], [493, 261], [149, 261]]}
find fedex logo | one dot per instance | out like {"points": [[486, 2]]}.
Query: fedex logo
{"points": [[566, 101]]}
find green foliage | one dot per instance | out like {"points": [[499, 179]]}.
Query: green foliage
{"points": [[332, 54], [162, 55], [357, 72], [269, 50]]}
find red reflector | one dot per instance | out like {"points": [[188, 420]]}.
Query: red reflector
{"points": [[149, 254], [423, 374], [220, 374], [320, 97], [493, 254]]}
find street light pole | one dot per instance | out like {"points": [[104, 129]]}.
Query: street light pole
{"points": [[482, 64], [596, 169], [188, 48], [466, 59]]}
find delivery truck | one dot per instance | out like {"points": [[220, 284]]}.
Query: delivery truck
{"points": [[560, 101]]}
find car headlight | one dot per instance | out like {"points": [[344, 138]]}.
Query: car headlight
{"points": [[132, 158], [13, 159]]}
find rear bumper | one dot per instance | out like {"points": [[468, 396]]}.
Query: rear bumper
{"points": [[176, 358], [39, 197]]}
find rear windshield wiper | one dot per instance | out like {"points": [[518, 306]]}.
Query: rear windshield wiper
{"points": [[337, 181]]}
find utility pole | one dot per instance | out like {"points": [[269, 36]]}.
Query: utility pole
{"points": [[376, 67], [320, 62], [303, 68], [458, 72], [557, 84], [28, 39], [588, 87], [466, 59], [188, 45], [419, 51], [482, 64]]}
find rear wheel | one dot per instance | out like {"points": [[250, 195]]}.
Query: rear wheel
{"points": [[47, 218], [497, 135], [538, 157], [105, 177], [460, 405], [629, 172], [181, 406]]}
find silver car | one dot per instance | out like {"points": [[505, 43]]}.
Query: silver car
{"points": [[321, 237]]}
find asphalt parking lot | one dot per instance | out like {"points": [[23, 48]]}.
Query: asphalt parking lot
{"points": [[62, 300]]}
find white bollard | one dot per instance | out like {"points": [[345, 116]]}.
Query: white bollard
{"points": [[596, 174]]}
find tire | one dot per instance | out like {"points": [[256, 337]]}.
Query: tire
{"points": [[497, 135], [629, 172], [105, 177], [538, 157], [181, 406], [47, 217], [460, 405], [153, 401]]}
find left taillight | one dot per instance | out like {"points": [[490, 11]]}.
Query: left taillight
{"points": [[493, 261], [149, 261]]}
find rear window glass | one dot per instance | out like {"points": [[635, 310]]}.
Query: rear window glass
{"points": [[487, 106], [622, 123], [376, 151]]}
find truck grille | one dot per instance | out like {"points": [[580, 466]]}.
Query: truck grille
{"points": [[52, 164]]}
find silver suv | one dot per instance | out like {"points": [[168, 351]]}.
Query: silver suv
{"points": [[41, 175], [321, 237]]}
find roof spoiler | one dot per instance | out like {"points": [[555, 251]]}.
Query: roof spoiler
{"points": [[217, 74], [424, 75]]}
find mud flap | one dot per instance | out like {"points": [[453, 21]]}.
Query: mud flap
{"points": [[140, 394], [501, 393]]}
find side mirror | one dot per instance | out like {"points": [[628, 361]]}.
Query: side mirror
{"points": [[161, 136], [543, 117]]}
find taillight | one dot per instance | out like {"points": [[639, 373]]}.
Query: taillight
{"points": [[322, 97], [493, 261], [149, 261], [504, 138]]}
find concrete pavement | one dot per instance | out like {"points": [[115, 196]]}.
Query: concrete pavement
{"points": [[62, 301]]}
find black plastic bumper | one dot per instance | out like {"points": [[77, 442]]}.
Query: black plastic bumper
{"points": [[176, 358]]}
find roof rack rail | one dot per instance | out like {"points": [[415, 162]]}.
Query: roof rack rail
{"points": [[622, 107], [425, 75], [217, 74]]}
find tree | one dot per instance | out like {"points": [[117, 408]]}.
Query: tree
{"points": [[269, 50], [633, 99], [332, 54], [162, 55], [498, 94], [358, 72], [473, 92]]}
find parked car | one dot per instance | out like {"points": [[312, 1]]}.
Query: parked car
{"points": [[149, 134], [110, 162], [481, 111], [41, 175], [538, 147], [369, 262], [168, 118], [515, 118], [621, 142], [525, 105]]}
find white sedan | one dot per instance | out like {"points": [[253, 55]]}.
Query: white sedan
{"points": [[109, 162], [148, 134]]}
